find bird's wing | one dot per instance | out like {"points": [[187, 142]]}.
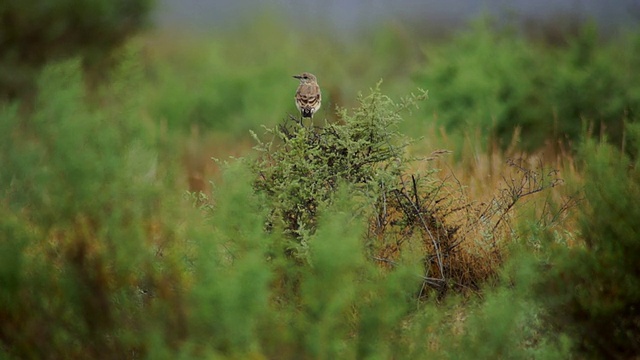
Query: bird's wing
{"points": [[308, 95]]}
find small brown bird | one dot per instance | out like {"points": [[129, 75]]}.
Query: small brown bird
{"points": [[308, 96]]}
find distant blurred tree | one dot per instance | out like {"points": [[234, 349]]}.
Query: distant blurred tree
{"points": [[34, 32]]}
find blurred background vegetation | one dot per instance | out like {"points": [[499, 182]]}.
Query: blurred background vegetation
{"points": [[120, 237]]}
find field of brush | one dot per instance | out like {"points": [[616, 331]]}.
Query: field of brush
{"points": [[472, 196]]}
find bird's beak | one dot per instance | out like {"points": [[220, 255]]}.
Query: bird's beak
{"points": [[297, 76]]}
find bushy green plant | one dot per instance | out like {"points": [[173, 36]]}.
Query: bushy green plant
{"points": [[83, 224], [33, 33], [484, 79], [229, 300], [301, 168], [506, 323], [591, 292], [497, 81], [593, 83], [249, 299]]}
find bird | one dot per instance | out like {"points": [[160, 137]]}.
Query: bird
{"points": [[308, 96]]}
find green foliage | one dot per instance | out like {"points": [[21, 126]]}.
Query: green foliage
{"points": [[368, 303], [229, 299], [506, 323], [592, 290], [33, 33], [487, 86], [301, 168], [81, 224], [595, 84], [497, 81]]}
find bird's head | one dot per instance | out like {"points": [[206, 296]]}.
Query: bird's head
{"points": [[306, 78]]}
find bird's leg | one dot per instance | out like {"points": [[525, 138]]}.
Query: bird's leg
{"points": [[299, 121]]}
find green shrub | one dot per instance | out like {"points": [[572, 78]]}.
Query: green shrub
{"points": [[250, 300], [82, 225], [301, 167], [592, 290], [484, 79], [497, 81], [595, 84]]}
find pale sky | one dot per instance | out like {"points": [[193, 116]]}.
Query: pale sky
{"points": [[347, 14]]}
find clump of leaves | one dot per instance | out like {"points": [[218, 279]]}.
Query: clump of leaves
{"points": [[301, 167]]}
